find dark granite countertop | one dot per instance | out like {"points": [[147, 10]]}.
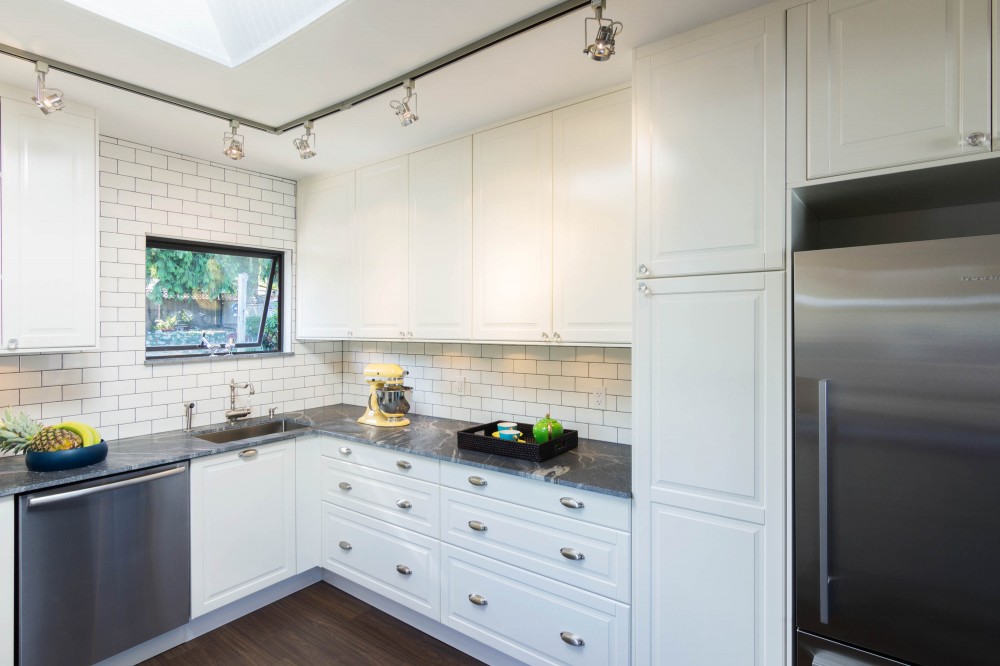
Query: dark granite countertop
{"points": [[598, 466]]}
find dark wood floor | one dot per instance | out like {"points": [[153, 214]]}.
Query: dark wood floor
{"points": [[317, 625]]}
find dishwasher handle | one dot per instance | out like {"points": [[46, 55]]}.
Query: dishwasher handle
{"points": [[83, 492]]}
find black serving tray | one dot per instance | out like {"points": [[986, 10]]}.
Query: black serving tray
{"points": [[480, 438]]}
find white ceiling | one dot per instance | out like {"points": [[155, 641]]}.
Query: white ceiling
{"points": [[357, 45]]}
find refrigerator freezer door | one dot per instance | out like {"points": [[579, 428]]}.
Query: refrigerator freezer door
{"points": [[815, 651], [897, 448]]}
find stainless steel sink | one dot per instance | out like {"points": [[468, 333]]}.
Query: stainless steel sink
{"points": [[246, 432]]}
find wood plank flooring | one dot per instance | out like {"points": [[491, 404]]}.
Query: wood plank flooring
{"points": [[317, 625]]}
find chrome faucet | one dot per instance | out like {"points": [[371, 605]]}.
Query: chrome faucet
{"points": [[188, 414], [233, 413]]}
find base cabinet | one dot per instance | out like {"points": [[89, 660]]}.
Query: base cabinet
{"points": [[243, 512], [6, 581]]}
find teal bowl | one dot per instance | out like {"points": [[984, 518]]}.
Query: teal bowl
{"points": [[54, 461]]}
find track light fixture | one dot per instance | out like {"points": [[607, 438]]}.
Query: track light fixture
{"points": [[232, 141], [406, 115], [603, 46], [49, 100], [302, 143]]}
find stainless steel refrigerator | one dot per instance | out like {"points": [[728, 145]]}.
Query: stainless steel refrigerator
{"points": [[897, 454]]}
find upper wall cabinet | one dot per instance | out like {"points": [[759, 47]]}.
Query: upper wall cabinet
{"points": [[592, 220], [440, 232], [326, 235], [512, 231], [710, 152], [49, 229], [896, 81]]}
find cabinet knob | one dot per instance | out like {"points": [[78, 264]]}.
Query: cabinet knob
{"points": [[642, 270], [643, 288], [403, 464], [571, 554], [556, 337], [403, 569], [344, 450], [545, 336], [477, 599], [12, 343], [350, 334], [344, 545], [977, 139], [404, 504], [402, 334], [477, 526], [344, 485], [409, 334], [571, 639], [249, 453], [571, 503], [477, 480]]}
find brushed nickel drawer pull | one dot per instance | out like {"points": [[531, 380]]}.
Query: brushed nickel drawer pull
{"points": [[345, 545], [478, 526], [403, 569], [402, 464], [345, 450], [477, 599], [249, 453], [344, 485], [571, 503], [571, 639], [571, 554], [404, 504], [477, 480]]}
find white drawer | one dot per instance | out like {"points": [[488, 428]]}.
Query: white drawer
{"points": [[526, 615], [592, 507], [588, 556], [408, 503], [397, 564], [388, 460]]}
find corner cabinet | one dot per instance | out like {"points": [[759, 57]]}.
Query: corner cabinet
{"points": [[710, 152], [48, 229], [243, 515], [896, 81]]}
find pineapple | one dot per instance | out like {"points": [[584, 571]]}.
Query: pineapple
{"points": [[20, 434]]}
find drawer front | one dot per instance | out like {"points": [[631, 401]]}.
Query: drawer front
{"points": [[387, 460], [395, 563], [407, 503], [607, 510], [527, 616], [588, 556]]}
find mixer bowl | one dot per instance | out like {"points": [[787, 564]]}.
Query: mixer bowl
{"points": [[393, 400]]}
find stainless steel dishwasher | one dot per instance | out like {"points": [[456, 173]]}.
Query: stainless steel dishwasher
{"points": [[103, 565]]}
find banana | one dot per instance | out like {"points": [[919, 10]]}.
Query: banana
{"points": [[85, 432], [97, 436]]}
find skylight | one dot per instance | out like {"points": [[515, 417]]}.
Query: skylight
{"points": [[230, 32]]}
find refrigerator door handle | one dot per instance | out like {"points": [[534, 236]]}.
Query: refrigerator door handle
{"points": [[824, 505]]}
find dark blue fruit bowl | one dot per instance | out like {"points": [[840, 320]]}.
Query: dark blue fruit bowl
{"points": [[53, 461]]}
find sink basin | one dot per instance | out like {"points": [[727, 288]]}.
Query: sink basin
{"points": [[246, 432]]}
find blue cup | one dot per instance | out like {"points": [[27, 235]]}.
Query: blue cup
{"points": [[510, 435]]}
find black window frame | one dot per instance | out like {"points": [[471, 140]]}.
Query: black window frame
{"points": [[277, 268]]}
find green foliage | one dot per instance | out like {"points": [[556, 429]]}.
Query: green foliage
{"points": [[168, 324], [181, 273]]}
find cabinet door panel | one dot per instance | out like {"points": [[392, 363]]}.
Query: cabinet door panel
{"points": [[326, 247], [7, 581], [382, 253], [896, 81], [441, 242], [49, 230], [710, 153], [512, 231], [592, 220]]}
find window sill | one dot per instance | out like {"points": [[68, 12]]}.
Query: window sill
{"points": [[214, 359]]}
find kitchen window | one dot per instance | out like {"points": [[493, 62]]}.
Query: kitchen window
{"points": [[207, 300]]}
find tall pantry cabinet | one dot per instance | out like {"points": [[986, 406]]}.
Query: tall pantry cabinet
{"points": [[709, 348]]}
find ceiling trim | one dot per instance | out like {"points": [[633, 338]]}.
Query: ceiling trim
{"points": [[512, 30]]}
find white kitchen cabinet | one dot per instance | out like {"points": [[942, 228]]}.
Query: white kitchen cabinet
{"points": [[896, 81], [710, 152], [382, 273], [48, 233], [708, 469], [440, 242], [7, 581], [243, 512], [512, 231], [308, 466], [326, 246], [593, 220]]}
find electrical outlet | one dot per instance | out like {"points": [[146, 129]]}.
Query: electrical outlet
{"points": [[599, 398], [460, 386]]}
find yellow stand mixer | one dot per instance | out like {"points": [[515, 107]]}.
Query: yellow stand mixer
{"points": [[388, 401]]}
